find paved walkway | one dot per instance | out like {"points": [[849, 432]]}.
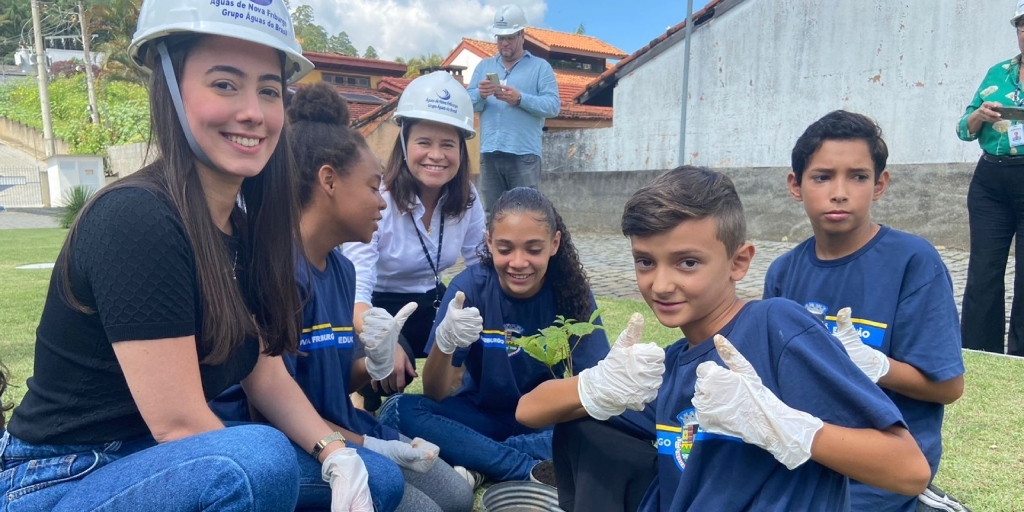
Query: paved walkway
{"points": [[606, 258]]}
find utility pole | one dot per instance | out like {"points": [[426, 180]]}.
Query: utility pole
{"points": [[686, 82], [44, 82], [89, 79]]}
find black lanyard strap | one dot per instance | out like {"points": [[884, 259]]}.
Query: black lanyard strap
{"points": [[433, 266]]}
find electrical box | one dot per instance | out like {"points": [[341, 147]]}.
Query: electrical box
{"points": [[65, 172]]}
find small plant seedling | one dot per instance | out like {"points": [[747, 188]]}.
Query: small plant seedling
{"points": [[552, 344]]}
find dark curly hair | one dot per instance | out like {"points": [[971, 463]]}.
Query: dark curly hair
{"points": [[320, 135], [4, 406], [565, 272]]}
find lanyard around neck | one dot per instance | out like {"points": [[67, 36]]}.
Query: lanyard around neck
{"points": [[433, 266]]}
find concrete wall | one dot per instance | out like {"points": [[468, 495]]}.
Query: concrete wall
{"points": [[765, 69], [28, 139], [927, 200], [126, 159]]}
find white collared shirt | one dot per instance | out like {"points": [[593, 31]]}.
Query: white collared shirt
{"points": [[393, 261]]}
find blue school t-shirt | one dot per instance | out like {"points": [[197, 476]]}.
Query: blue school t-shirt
{"points": [[803, 366], [497, 372], [902, 302], [327, 343]]}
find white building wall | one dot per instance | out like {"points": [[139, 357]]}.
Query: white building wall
{"points": [[764, 70], [468, 59]]}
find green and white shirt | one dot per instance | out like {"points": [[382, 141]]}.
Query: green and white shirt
{"points": [[1001, 84]]}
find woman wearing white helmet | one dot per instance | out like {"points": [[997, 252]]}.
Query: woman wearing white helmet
{"points": [[167, 291], [433, 216]]}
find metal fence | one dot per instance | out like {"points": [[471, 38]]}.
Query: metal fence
{"points": [[28, 194]]}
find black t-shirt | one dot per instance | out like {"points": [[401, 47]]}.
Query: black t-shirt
{"points": [[131, 263]]}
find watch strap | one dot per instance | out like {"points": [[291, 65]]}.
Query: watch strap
{"points": [[321, 444]]}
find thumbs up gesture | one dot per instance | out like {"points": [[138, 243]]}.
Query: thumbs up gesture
{"points": [[734, 402], [460, 327], [628, 378], [379, 337], [873, 363]]}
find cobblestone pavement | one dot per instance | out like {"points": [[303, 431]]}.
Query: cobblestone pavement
{"points": [[607, 261]]}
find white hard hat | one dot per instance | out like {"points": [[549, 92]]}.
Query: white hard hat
{"points": [[508, 19], [265, 22], [1017, 13], [437, 97]]}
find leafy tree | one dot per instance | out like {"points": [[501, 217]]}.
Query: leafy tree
{"points": [[371, 53], [342, 44], [423, 61], [15, 23], [580, 30], [311, 36], [114, 23]]}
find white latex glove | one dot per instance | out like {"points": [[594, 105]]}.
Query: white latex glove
{"points": [[873, 363], [627, 378], [459, 328], [380, 336], [417, 455], [350, 490], [734, 402]]}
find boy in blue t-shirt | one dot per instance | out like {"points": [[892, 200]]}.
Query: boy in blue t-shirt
{"points": [[906, 333], [787, 419]]}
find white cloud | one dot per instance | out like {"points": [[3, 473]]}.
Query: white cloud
{"points": [[409, 28]]}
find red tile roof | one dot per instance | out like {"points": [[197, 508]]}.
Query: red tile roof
{"points": [[555, 40], [393, 85], [325, 60]]}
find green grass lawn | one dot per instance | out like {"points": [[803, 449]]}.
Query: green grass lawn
{"points": [[983, 464]]}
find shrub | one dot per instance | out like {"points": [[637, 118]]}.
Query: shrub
{"points": [[74, 200]]}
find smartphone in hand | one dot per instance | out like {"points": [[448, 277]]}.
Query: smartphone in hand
{"points": [[1011, 113], [493, 77]]}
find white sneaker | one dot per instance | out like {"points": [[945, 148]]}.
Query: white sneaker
{"points": [[474, 478], [935, 499]]}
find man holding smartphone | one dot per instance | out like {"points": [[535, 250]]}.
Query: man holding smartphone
{"points": [[514, 91]]}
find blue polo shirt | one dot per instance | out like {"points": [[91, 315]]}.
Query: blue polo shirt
{"points": [[498, 373], [801, 364], [515, 129], [902, 301]]}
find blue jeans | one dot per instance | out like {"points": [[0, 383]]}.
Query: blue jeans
{"points": [[387, 484], [500, 172], [486, 440], [248, 467]]}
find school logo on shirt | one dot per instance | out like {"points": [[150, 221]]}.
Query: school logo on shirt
{"points": [[678, 441], [325, 336], [512, 333], [871, 333], [817, 309]]}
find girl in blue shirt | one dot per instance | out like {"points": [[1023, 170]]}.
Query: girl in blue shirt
{"points": [[528, 274]]}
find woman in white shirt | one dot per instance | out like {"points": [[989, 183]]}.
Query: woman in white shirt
{"points": [[433, 215]]}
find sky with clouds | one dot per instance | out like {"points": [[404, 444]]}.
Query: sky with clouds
{"points": [[408, 28]]}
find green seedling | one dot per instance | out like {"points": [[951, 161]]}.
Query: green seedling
{"points": [[552, 346]]}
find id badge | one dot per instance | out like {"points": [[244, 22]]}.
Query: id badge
{"points": [[1016, 135]]}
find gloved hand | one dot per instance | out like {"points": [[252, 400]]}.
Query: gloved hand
{"points": [[873, 363], [734, 402], [460, 327], [627, 378], [350, 490], [417, 455], [379, 337]]}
